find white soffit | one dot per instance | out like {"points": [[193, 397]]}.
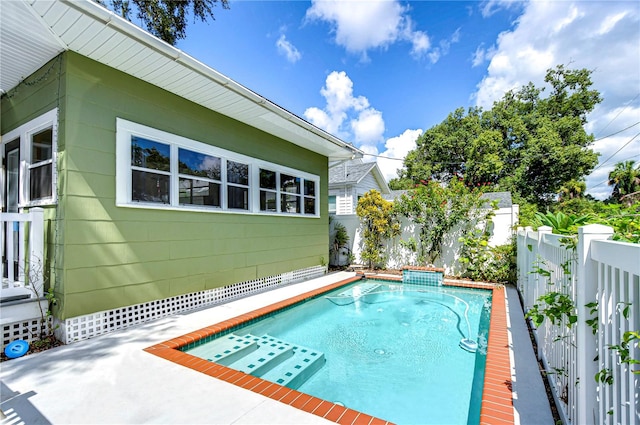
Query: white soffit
{"points": [[32, 32]]}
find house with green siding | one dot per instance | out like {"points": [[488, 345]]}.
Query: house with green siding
{"points": [[163, 184]]}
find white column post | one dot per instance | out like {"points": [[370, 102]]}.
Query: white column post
{"points": [[587, 281], [36, 251]]}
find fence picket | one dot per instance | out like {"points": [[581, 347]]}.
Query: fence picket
{"points": [[599, 270]]}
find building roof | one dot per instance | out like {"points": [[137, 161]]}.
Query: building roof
{"points": [[35, 31], [353, 172], [503, 198]]}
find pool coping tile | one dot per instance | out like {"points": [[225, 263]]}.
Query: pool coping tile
{"points": [[497, 397]]}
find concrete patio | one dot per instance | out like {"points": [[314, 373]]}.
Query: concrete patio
{"points": [[111, 380]]}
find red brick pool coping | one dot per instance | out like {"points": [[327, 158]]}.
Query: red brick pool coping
{"points": [[497, 401]]}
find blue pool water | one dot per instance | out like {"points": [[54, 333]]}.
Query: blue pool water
{"points": [[392, 350]]}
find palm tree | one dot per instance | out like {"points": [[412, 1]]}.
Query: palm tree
{"points": [[625, 179], [573, 189]]}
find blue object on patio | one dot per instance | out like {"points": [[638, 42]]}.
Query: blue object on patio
{"points": [[17, 348]]}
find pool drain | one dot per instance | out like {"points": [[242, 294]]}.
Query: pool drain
{"points": [[379, 351]]}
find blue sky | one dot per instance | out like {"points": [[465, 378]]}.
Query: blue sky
{"points": [[379, 73]]}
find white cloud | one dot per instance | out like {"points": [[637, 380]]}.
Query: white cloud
{"points": [[287, 49], [600, 36], [360, 26], [490, 7], [368, 127], [397, 147], [345, 115], [353, 119]]}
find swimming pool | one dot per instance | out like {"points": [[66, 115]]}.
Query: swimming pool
{"points": [[404, 353], [497, 396]]}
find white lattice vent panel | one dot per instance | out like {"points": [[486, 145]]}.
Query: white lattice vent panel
{"points": [[25, 330], [91, 325]]}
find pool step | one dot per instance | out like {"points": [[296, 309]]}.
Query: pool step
{"points": [[295, 371], [264, 356], [227, 349], [270, 354], [352, 294]]}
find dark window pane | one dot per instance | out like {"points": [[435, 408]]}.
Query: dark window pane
{"points": [[198, 164], [42, 146], [198, 192], [267, 179], [149, 187], [290, 204], [237, 173], [40, 182], [309, 205], [238, 198], [267, 201], [289, 184], [148, 154], [309, 188]]}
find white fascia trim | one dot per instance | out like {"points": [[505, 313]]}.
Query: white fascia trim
{"points": [[109, 18]]}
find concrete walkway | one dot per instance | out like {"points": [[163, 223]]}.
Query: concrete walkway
{"points": [[111, 380], [530, 402]]}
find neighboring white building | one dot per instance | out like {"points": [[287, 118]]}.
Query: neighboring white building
{"points": [[349, 181], [505, 218]]}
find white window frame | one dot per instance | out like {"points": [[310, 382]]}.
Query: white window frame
{"points": [[126, 129], [24, 133]]}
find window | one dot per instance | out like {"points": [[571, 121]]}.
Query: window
{"points": [[268, 191], [287, 189], [30, 152], [199, 179], [156, 169], [332, 204], [150, 170], [237, 185]]}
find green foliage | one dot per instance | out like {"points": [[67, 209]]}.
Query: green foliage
{"points": [[340, 236], [605, 376], [574, 189], [625, 179], [379, 224], [339, 240], [166, 19], [553, 306], [625, 221], [485, 263], [592, 322], [629, 340], [562, 223], [436, 209], [527, 144], [527, 212]]}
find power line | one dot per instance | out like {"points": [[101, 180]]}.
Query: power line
{"points": [[617, 132], [614, 154], [618, 114]]}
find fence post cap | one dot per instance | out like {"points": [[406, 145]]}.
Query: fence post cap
{"points": [[591, 229]]}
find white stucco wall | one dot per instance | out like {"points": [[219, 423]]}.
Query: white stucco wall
{"points": [[502, 229]]}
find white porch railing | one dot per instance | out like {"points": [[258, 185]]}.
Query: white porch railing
{"points": [[601, 271], [22, 243]]}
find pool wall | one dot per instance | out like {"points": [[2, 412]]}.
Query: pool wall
{"points": [[497, 400]]}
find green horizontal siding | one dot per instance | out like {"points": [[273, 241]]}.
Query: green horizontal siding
{"points": [[109, 256]]}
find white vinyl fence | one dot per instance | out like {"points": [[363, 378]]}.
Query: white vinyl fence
{"points": [[601, 278]]}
